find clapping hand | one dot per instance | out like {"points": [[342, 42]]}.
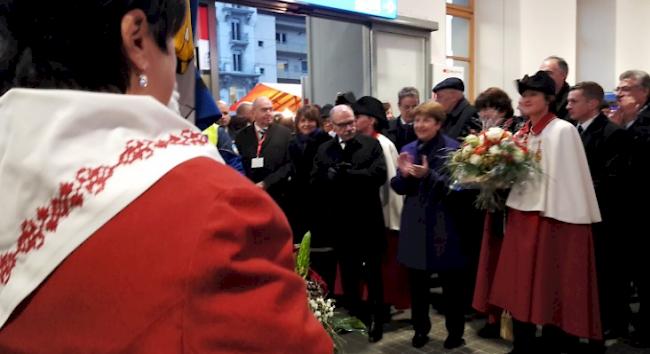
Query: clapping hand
{"points": [[407, 168], [627, 110], [419, 171], [404, 164]]}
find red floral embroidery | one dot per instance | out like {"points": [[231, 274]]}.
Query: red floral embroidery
{"points": [[70, 195]]}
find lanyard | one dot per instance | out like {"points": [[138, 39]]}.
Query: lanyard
{"points": [[259, 144]]}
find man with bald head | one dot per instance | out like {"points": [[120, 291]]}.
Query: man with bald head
{"points": [[264, 149], [347, 175], [224, 121]]}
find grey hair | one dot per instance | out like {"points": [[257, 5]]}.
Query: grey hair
{"points": [[408, 91], [340, 109], [560, 62], [640, 76]]}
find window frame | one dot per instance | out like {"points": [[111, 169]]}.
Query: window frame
{"points": [[466, 12]]}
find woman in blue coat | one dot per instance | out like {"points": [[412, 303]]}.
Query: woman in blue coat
{"points": [[429, 240]]}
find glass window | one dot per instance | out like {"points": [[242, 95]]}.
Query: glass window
{"points": [[304, 66], [236, 62], [463, 3], [457, 36], [235, 33], [272, 44]]}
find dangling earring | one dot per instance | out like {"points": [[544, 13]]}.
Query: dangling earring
{"points": [[143, 80]]}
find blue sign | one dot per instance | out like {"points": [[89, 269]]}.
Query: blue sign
{"points": [[380, 8]]}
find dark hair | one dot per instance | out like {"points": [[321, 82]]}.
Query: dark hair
{"points": [[309, 112], [386, 105], [591, 90], [495, 98], [561, 63], [75, 44]]}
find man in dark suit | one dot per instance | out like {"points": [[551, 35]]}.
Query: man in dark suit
{"points": [[400, 130], [633, 99], [607, 147], [462, 118], [348, 172], [264, 149], [558, 69]]}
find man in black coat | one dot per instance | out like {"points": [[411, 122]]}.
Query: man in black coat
{"points": [[462, 118], [607, 147], [264, 149], [400, 130], [633, 99], [558, 69], [348, 172]]}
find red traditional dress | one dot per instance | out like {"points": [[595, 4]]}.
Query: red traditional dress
{"points": [[544, 272], [122, 234]]}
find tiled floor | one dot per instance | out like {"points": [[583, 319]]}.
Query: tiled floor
{"points": [[398, 333]]}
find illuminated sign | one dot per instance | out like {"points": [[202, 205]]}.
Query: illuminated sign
{"points": [[381, 8]]}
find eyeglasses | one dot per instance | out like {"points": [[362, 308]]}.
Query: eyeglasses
{"points": [[625, 88], [344, 124]]}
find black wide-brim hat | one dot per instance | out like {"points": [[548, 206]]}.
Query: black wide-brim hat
{"points": [[371, 107], [541, 82], [345, 98]]}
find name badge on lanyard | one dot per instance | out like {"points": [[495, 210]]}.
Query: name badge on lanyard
{"points": [[258, 162]]}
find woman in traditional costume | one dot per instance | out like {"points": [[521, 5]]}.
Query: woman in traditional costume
{"points": [[122, 230], [545, 273]]}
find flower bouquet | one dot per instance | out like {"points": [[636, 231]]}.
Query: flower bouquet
{"points": [[322, 308], [491, 160]]}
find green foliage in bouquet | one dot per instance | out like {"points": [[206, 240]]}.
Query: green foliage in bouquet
{"points": [[491, 161], [302, 260], [322, 308]]}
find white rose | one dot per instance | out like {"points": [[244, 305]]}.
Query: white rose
{"points": [[494, 134], [481, 139], [467, 150], [494, 150], [472, 140], [518, 155], [475, 159]]}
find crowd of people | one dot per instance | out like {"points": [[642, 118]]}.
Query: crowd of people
{"points": [[128, 233], [564, 255]]}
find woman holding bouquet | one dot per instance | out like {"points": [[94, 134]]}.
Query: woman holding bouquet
{"points": [[429, 239], [545, 273]]}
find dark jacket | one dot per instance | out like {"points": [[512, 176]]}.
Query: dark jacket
{"points": [[399, 133], [347, 182], [275, 151], [561, 99], [429, 237], [607, 147], [301, 209], [461, 121]]}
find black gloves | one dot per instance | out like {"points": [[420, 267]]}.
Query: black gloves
{"points": [[337, 171]]}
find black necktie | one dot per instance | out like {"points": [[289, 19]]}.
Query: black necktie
{"points": [[580, 130]]}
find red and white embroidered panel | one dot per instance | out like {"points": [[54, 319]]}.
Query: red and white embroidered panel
{"points": [[89, 181]]}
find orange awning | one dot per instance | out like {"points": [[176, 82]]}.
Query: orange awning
{"points": [[283, 96]]}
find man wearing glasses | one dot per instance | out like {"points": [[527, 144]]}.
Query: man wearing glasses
{"points": [[633, 114], [348, 172]]}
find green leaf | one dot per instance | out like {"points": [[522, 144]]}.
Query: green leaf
{"points": [[346, 323], [302, 260]]}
